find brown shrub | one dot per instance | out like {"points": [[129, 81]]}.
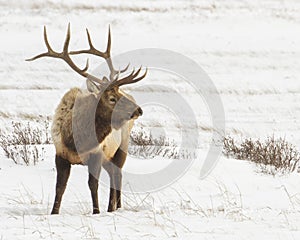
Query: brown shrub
{"points": [[272, 156]]}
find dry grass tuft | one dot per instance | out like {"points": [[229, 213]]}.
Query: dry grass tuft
{"points": [[272, 156], [21, 144], [143, 144]]}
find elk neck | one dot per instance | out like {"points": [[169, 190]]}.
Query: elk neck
{"points": [[102, 125]]}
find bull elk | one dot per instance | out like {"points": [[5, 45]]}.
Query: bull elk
{"points": [[92, 127]]}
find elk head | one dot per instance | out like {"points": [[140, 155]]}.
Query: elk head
{"points": [[113, 104]]}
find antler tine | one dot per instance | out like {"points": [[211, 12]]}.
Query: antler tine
{"points": [[128, 76], [113, 72], [46, 54], [36, 57], [124, 69], [108, 43], [106, 55], [64, 55], [117, 76], [121, 71], [131, 78], [141, 77], [89, 39], [46, 40], [67, 41], [92, 49]]}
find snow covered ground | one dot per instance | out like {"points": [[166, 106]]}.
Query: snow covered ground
{"points": [[234, 202], [251, 51]]}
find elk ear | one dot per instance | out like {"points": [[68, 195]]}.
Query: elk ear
{"points": [[105, 79], [92, 87]]}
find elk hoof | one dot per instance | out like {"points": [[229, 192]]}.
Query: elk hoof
{"points": [[54, 211], [111, 208], [96, 211]]}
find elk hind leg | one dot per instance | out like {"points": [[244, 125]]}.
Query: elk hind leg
{"points": [[63, 168]]}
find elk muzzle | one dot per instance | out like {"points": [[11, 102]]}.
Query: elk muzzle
{"points": [[137, 113]]}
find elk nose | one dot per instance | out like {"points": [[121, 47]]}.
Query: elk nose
{"points": [[137, 113], [140, 111]]}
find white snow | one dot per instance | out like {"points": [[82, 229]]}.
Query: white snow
{"points": [[251, 51]]}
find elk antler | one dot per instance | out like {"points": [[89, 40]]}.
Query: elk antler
{"points": [[64, 55], [114, 74], [106, 55], [131, 78]]}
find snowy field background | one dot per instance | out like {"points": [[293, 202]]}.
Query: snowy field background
{"points": [[251, 51]]}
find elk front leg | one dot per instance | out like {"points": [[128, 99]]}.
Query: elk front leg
{"points": [[114, 170], [63, 168], [94, 166], [119, 160], [118, 179], [110, 168]]}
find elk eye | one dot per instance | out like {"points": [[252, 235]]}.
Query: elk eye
{"points": [[112, 100]]}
